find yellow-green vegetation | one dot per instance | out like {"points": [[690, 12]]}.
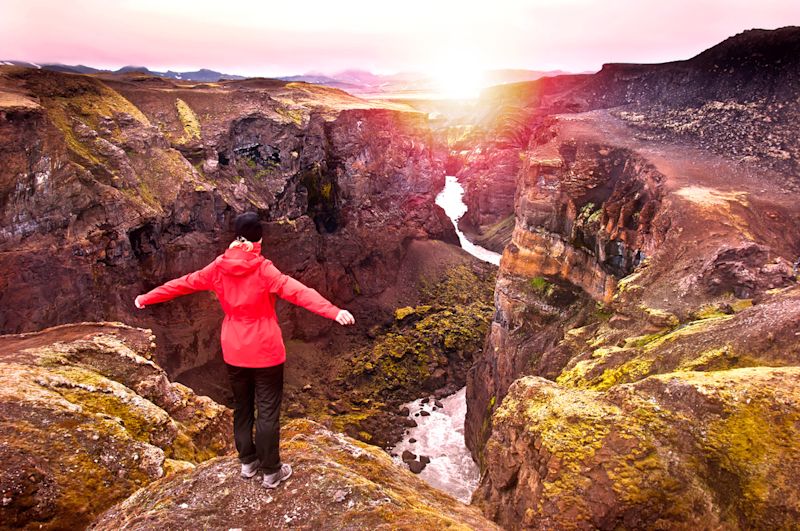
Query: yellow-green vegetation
{"points": [[345, 484], [717, 359], [191, 125], [541, 286], [691, 328], [660, 317], [590, 213], [636, 357], [629, 283], [293, 114], [449, 329], [607, 367], [320, 187], [88, 103], [753, 442], [568, 429], [402, 313], [88, 417], [710, 449]]}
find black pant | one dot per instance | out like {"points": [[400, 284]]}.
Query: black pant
{"points": [[260, 388]]}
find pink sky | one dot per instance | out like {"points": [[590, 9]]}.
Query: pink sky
{"points": [[253, 37]]}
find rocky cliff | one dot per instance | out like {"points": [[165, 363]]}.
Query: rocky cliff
{"points": [[338, 483], [737, 99], [644, 248], [88, 418], [113, 184]]}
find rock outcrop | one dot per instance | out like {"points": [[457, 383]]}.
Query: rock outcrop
{"points": [[644, 251], [704, 450], [88, 418], [338, 483]]}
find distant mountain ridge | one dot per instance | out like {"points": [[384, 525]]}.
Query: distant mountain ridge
{"points": [[203, 74], [363, 82], [353, 80]]}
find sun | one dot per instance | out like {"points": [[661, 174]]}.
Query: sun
{"points": [[458, 79]]}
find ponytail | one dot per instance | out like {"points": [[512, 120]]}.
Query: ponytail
{"points": [[243, 243]]}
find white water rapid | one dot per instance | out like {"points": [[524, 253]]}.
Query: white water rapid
{"points": [[451, 199], [440, 434]]}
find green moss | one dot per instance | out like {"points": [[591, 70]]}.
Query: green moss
{"points": [[191, 125], [629, 283], [750, 444], [694, 327], [660, 316], [607, 367], [717, 359], [541, 286], [402, 313], [450, 329], [295, 115], [711, 311], [643, 341]]}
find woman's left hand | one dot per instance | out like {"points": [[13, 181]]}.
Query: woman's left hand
{"points": [[345, 318], [137, 302]]}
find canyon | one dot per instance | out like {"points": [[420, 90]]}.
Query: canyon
{"points": [[632, 364]]}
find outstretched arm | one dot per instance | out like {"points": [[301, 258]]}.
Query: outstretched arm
{"points": [[297, 293], [196, 281]]}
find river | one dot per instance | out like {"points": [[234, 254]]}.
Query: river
{"points": [[440, 434]]}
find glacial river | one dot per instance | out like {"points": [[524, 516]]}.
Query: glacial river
{"points": [[440, 435]]}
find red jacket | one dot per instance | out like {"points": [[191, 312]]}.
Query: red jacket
{"points": [[246, 285]]}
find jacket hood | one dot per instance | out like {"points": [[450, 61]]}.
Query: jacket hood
{"points": [[239, 262]]}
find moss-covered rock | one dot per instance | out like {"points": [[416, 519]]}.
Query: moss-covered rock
{"points": [[87, 419], [338, 483], [425, 348], [691, 449]]}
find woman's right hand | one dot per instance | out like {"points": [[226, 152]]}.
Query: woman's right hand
{"points": [[137, 302], [345, 318]]}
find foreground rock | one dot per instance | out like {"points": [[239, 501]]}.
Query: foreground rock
{"points": [[87, 419], [338, 483], [692, 450]]}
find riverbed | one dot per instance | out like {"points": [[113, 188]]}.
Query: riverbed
{"points": [[439, 434]]}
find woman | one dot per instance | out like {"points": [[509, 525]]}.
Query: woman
{"points": [[246, 285]]}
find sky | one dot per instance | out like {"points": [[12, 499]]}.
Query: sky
{"points": [[268, 38]]}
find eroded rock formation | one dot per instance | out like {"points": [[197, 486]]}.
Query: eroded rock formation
{"points": [[644, 251], [88, 418], [113, 184], [705, 450], [338, 483]]}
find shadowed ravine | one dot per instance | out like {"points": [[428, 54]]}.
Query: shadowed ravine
{"points": [[439, 434]]}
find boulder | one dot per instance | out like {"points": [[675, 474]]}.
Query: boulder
{"points": [[338, 483], [713, 450], [87, 419]]}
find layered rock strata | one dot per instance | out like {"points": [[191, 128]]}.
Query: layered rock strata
{"points": [[112, 185], [678, 257], [88, 418]]}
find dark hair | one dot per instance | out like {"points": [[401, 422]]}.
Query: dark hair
{"points": [[248, 226]]}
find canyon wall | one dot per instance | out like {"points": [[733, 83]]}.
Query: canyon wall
{"points": [[112, 185], [650, 263]]}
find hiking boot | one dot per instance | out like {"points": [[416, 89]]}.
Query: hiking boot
{"points": [[273, 480], [250, 469]]}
